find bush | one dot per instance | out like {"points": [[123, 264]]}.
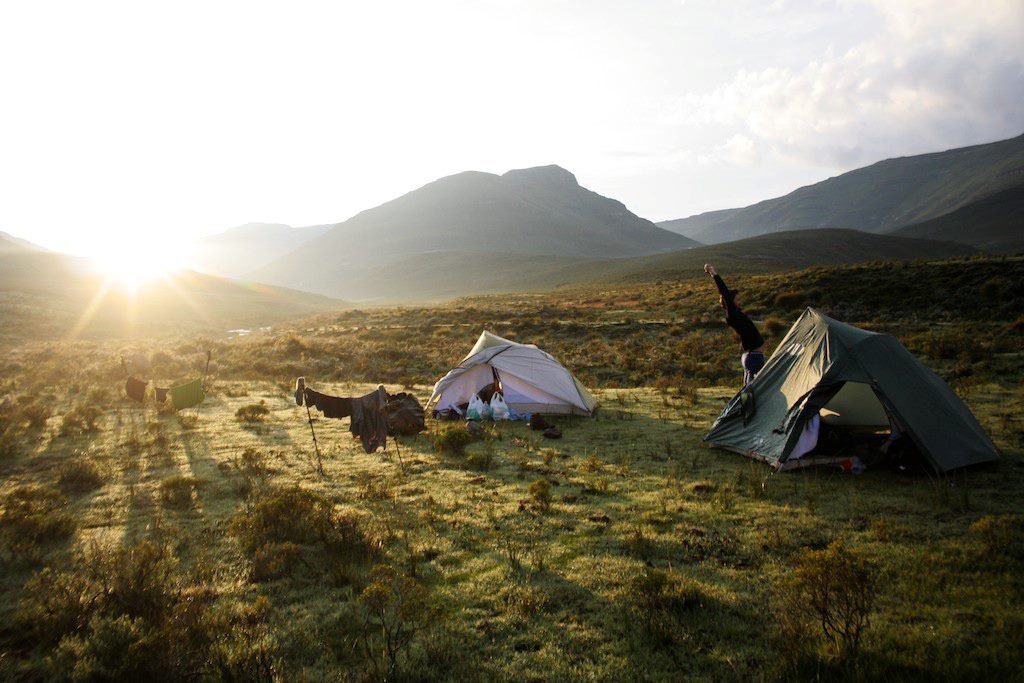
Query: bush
{"points": [[282, 514], [82, 419], [453, 439], [1000, 535], [295, 515], [79, 475], [483, 459], [395, 608], [111, 649], [657, 597], [834, 588], [134, 581], [31, 515], [791, 300], [36, 414], [274, 560], [178, 491], [540, 494], [253, 413], [10, 444]]}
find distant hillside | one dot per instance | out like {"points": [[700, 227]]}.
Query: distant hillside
{"points": [[536, 212], [9, 243], [878, 198], [995, 223], [765, 253], [240, 250], [44, 294]]}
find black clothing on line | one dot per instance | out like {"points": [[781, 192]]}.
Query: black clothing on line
{"points": [[368, 420], [330, 406], [750, 338]]}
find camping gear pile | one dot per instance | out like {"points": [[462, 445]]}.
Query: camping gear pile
{"points": [[827, 381]]}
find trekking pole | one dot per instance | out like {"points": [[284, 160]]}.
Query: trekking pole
{"points": [[316, 446], [401, 463]]}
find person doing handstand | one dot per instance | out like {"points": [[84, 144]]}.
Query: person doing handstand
{"points": [[753, 344]]}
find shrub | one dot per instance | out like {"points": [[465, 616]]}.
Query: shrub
{"points": [[252, 462], [773, 326], [82, 419], [135, 581], [483, 459], [253, 413], [285, 514], [540, 494], [58, 602], [295, 515], [790, 300], [79, 475], [1000, 535], [177, 491], [657, 597], [835, 588], [31, 515], [397, 608], [110, 649], [36, 414], [274, 560], [453, 439], [10, 444]]}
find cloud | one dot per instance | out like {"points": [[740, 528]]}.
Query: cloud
{"points": [[934, 75], [739, 149]]}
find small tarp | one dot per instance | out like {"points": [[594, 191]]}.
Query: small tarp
{"points": [[187, 395], [531, 380], [854, 378]]}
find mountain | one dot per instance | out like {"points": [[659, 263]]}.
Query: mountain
{"points": [[51, 295], [995, 223], [878, 198], [242, 249], [764, 253], [535, 212], [10, 243]]}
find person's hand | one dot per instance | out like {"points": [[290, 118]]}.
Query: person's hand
{"points": [[710, 269]]}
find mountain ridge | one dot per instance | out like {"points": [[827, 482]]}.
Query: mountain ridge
{"points": [[539, 211], [881, 197]]}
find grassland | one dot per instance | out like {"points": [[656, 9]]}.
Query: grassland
{"points": [[141, 543]]}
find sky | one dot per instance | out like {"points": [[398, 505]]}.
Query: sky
{"points": [[150, 123]]}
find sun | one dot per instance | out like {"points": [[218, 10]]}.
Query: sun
{"points": [[134, 264]]}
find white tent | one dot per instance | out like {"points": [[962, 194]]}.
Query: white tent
{"points": [[532, 380]]}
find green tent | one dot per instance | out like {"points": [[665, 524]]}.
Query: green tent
{"points": [[848, 377]]}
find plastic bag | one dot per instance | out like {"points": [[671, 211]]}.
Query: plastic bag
{"points": [[485, 409], [499, 409], [476, 406]]}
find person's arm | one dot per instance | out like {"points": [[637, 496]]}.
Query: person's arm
{"points": [[730, 307], [710, 270]]}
